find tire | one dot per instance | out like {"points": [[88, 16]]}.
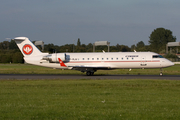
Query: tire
{"points": [[88, 73]]}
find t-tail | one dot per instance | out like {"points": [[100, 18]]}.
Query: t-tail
{"points": [[27, 47]]}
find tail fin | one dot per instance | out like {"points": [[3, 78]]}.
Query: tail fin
{"points": [[27, 47]]}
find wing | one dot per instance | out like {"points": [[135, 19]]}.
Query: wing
{"points": [[90, 68], [84, 68]]}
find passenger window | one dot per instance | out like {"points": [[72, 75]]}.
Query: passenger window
{"points": [[116, 58], [83, 58], [92, 58], [88, 59], [97, 58], [111, 58]]}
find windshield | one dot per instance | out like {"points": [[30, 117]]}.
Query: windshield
{"points": [[157, 56]]}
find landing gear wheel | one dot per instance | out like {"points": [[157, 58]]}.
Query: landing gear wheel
{"points": [[88, 73], [92, 73]]}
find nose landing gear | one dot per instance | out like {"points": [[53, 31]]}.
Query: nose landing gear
{"points": [[161, 74]]}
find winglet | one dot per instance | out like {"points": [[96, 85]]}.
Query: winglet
{"points": [[61, 63]]}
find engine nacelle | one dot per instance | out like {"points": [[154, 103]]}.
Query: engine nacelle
{"points": [[54, 57]]}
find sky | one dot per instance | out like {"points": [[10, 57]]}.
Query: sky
{"points": [[123, 22]]}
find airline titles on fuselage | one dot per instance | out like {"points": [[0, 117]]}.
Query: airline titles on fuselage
{"points": [[131, 56]]}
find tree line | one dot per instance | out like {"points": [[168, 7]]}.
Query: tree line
{"points": [[9, 52]]}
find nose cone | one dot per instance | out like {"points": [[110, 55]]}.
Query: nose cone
{"points": [[169, 63]]}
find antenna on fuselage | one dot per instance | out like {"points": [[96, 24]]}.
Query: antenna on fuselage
{"points": [[134, 45]]}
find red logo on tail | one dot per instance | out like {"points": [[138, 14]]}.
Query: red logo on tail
{"points": [[27, 49]]}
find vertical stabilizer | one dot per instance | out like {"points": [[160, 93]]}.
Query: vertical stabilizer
{"points": [[26, 47]]}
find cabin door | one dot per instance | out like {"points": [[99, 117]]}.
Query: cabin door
{"points": [[143, 61]]}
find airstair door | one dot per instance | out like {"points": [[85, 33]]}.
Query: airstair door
{"points": [[143, 61]]}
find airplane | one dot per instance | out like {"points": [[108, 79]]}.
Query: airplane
{"points": [[90, 62]]}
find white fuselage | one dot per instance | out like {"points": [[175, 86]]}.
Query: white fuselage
{"points": [[111, 60]]}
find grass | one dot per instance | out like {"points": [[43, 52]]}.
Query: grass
{"points": [[31, 69], [90, 99], [86, 99]]}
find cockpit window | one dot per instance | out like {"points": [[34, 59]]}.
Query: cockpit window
{"points": [[157, 56]]}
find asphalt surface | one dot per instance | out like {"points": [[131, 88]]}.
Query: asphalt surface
{"points": [[97, 77]]}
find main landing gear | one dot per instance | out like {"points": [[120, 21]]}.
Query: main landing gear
{"points": [[89, 72]]}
